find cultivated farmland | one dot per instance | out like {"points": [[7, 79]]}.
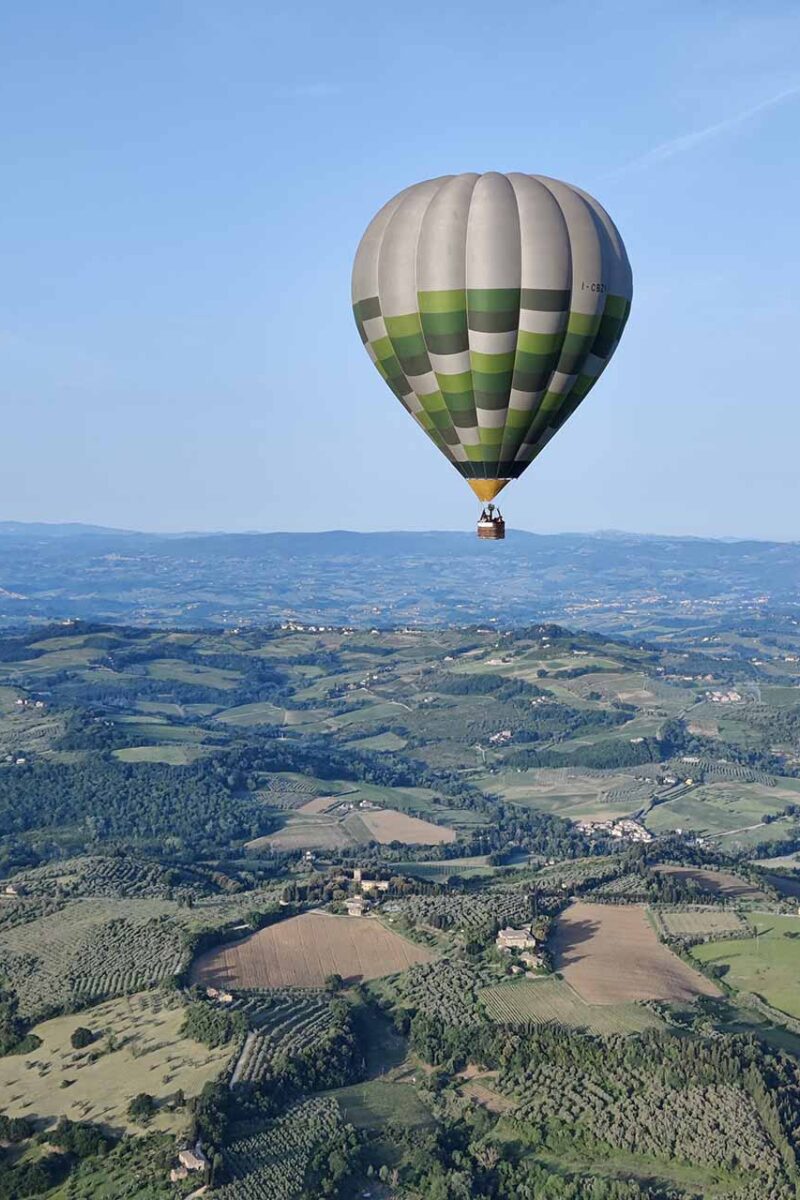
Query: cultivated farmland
{"points": [[568, 792], [721, 883], [318, 805], [442, 868], [552, 1001], [282, 1024], [388, 825], [302, 832], [303, 951], [699, 922], [272, 1165], [610, 954], [768, 965], [90, 949]]}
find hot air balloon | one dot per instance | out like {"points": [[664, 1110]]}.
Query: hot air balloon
{"points": [[491, 304]]}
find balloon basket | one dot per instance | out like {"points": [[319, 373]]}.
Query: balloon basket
{"points": [[491, 526]]}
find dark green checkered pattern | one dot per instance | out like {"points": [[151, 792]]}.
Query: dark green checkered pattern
{"points": [[491, 373]]}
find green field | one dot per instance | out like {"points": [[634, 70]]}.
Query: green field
{"points": [[193, 673], [380, 710], [379, 741], [138, 1048], [468, 868], [370, 1105], [720, 808], [420, 802], [300, 831], [261, 713], [768, 966], [68, 658], [160, 731], [174, 756], [570, 793], [781, 697], [698, 922], [552, 1000]]}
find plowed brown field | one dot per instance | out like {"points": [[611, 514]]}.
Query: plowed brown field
{"points": [[388, 825], [609, 953], [303, 951]]}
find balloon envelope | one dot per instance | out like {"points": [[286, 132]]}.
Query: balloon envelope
{"points": [[491, 304]]}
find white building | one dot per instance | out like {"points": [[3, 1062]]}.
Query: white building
{"points": [[515, 939]]}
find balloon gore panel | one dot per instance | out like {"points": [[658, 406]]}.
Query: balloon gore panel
{"points": [[491, 304]]}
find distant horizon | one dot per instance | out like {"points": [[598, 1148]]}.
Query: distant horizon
{"points": [[88, 526]]}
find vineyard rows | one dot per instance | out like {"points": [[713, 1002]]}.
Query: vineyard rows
{"points": [[282, 1024], [698, 922], [272, 1165], [628, 887], [630, 795], [579, 871], [712, 771], [288, 791], [87, 951], [552, 1001], [20, 911]]}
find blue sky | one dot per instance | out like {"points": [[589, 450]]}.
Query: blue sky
{"points": [[183, 188]]}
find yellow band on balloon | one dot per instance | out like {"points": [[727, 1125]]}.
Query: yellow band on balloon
{"points": [[487, 489]]}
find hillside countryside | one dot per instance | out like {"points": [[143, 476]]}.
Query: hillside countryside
{"points": [[321, 910]]}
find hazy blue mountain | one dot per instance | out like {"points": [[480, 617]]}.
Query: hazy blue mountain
{"points": [[610, 580]]}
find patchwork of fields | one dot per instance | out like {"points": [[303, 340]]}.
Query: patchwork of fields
{"points": [[700, 922], [551, 1000], [303, 951], [721, 883], [314, 827], [198, 767], [767, 965], [610, 954], [388, 825]]}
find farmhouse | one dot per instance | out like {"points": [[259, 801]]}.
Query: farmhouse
{"points": [[374, 885], [193, 1160], [222, 997], [509, 939], [355, 906], [369, 885]]}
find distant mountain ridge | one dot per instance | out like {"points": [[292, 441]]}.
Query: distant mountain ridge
{"points": [[358, 538], [611, 580]]}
